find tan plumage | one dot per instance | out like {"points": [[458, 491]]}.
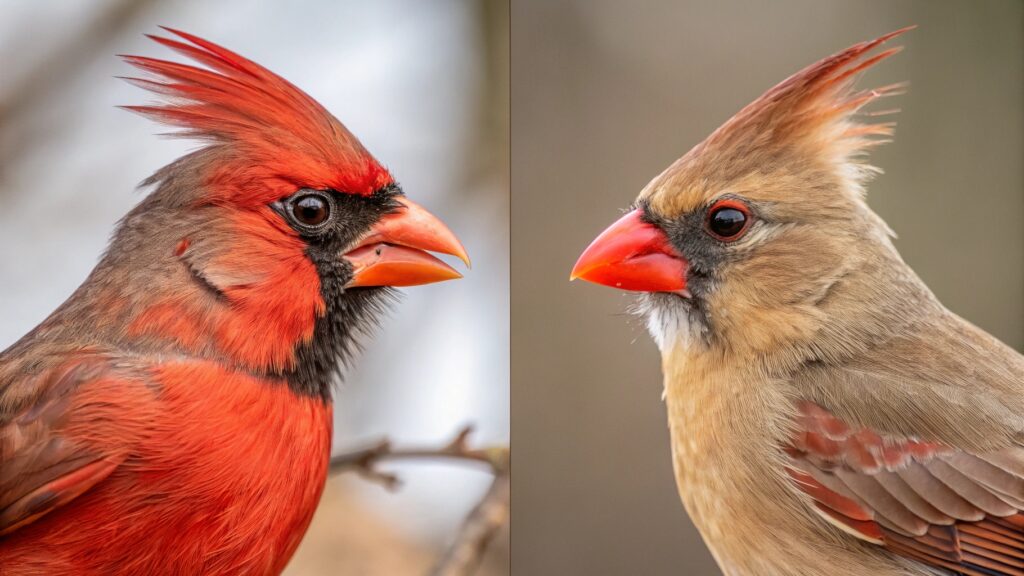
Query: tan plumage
{"points": [[828, 415]]}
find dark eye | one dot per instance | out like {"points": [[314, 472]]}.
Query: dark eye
{"points": [[311, 210], [728, 220]]}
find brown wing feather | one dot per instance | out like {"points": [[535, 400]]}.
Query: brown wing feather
{"points": [[41, 468], [924, 500]]}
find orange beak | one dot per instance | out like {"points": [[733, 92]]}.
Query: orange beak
{"points": [[633, 255], [395, 253]]}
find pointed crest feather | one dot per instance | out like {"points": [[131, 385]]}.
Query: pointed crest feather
{"points": [[819, 95], [806, 126], [272, 137]]}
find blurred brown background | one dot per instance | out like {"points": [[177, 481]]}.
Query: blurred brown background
{"points": [[605, 94]]}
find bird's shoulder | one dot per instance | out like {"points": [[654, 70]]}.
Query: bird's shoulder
{"points": [[38, 371], [942, 379], [60, 428]]}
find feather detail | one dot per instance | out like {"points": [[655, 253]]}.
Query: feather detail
{"points": [[817, 98], [806, 129], [932, 503], [275, 134], [105, 455]]}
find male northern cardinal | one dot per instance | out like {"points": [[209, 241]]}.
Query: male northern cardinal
{"points": [[828, 415], [174, 415]]}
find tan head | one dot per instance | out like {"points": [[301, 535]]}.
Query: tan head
{"points": [[759, 238]]}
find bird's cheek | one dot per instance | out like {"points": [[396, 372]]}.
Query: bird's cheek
{"points": [[633, 255], [395, 252]]}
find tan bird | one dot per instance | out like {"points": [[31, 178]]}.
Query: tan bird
{"points": [[828, 415]]}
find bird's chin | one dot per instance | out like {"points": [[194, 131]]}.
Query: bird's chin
{"points": [[672, 319]]}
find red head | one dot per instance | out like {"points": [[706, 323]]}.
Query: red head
{"points": [[275, 138], [267, 247]]}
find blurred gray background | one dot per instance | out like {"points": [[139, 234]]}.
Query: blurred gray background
{"points": [[605, 94], [424, 85]]}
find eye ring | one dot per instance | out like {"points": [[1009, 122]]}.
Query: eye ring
{"points": [[728, 220], [310, 211]]}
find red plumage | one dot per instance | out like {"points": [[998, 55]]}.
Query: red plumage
{"points": [[174, 415], [277, 134], [162, 498]]}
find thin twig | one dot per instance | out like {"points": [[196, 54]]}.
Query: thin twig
{"points": [[365, 461], [486, 518]]}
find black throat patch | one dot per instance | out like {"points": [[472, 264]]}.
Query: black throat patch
{"points": [[350, 314]]}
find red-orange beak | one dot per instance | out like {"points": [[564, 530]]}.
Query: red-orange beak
{"points": [[395, 253], [633, 255]]}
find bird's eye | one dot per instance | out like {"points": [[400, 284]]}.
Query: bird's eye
{"points": [[728, 220], [311, 210]]}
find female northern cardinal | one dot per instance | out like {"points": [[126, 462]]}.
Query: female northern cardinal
{"points": [[828, 415], [174, 415]]}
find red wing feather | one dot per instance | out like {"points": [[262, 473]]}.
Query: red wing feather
{"points": [[46, 460], [933, 503], [55, 494]]}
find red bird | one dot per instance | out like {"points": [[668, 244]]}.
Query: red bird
{"points": [[174, 415]]}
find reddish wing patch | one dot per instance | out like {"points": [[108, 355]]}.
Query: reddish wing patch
{"points": [[923, 500], [55, 494], [45, 460], [280, 138], [831, 443]]}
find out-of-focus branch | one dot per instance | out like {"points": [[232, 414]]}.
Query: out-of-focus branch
{"points": [[487, 517], [365, 461], [479, 528]]}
